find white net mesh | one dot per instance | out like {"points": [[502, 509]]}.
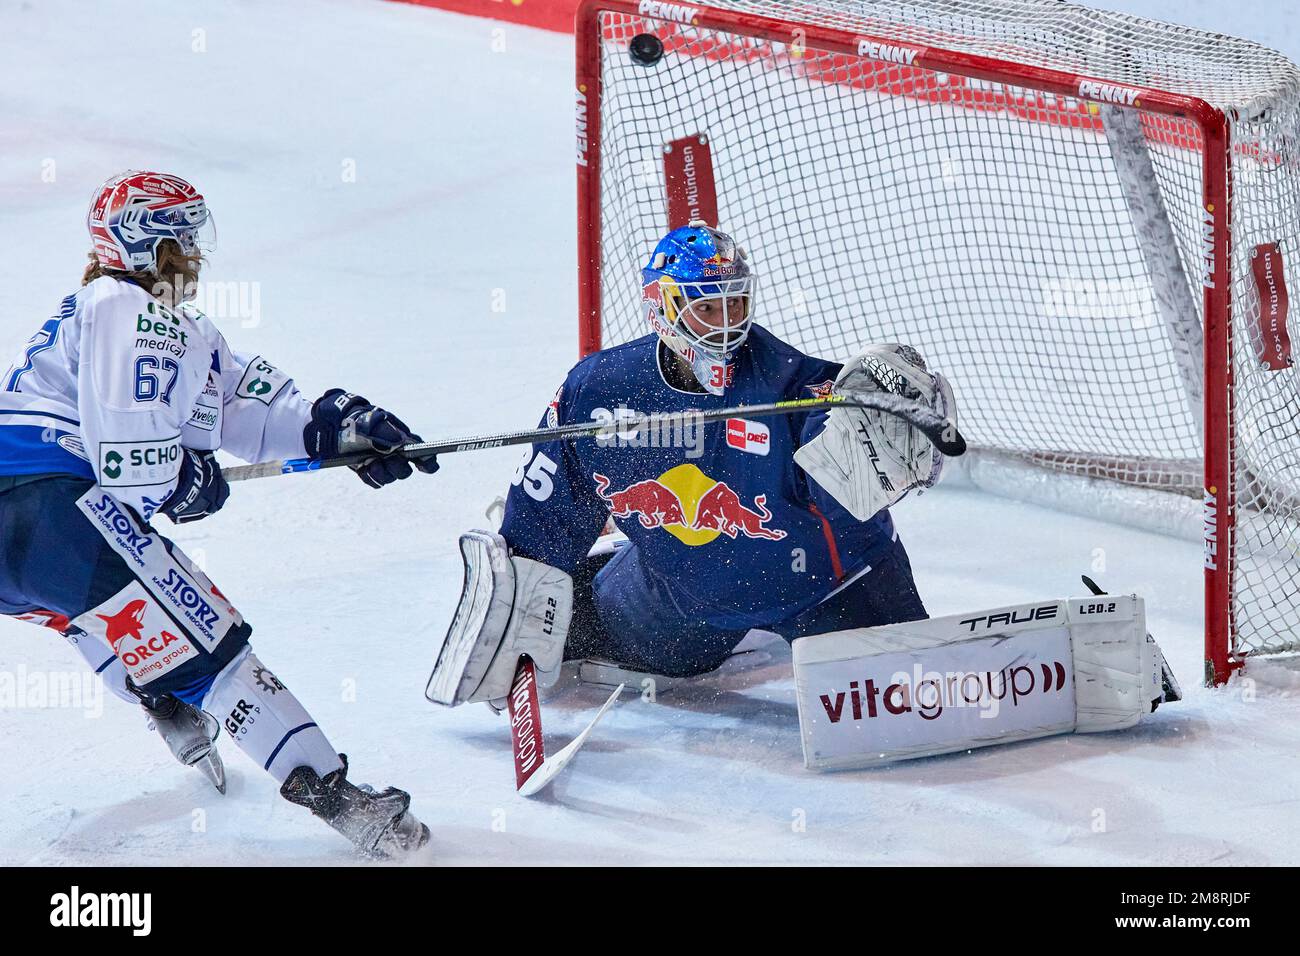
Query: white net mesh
{"points": [[988, 225]]}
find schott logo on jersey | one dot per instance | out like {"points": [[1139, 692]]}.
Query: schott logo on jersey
{"points": [[668, 11], [187, 597], [580, 121], [1045, 612], [111, 516], [131, 464], [889, 54], [1108, 93]]}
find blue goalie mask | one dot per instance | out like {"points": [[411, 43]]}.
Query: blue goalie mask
{"points": [[698, 295]]}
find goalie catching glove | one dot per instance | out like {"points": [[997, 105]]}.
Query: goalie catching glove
{"points": [[868, 460], [510, 606]]}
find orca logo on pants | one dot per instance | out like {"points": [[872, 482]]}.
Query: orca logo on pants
{"points": [[147, 650], [128, 622]]}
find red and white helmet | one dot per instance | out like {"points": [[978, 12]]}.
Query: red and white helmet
{"points": [[134, 211]]}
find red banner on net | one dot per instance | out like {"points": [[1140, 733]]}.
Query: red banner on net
{"points": [[547, 14]]}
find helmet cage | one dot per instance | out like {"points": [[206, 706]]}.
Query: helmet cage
{"points": [[679, 300]]}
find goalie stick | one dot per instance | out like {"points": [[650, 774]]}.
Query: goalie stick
{"points": [[532, 770], [940, 431], [1170, 689]]}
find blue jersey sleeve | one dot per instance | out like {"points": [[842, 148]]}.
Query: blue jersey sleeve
{"points": [[553, 513]]}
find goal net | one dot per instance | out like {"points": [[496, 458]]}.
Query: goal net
{"points": [[1084, 219]]}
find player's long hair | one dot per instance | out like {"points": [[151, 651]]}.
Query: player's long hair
{"points": [[173, 283]]}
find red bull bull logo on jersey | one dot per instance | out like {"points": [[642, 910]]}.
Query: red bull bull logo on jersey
{"points": [[691, 506]]}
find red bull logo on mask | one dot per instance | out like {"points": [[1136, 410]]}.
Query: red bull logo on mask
{"points": [[690, 506]]}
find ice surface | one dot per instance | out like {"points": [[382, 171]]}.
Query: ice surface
{"points": [[393, 285]]}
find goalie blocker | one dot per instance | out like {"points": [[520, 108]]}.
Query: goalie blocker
{"points": [[877, 695]]}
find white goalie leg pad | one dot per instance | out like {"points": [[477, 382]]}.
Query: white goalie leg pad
{"points": [[266, 721], [871, 696], [868, 460], [509, 606]]}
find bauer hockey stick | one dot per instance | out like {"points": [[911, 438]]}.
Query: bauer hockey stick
{"points": [[940, 431]]}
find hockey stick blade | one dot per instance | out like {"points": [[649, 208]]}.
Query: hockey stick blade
{"points": [[940, 431], [525, 723], [1170, 688], [551, 768]]}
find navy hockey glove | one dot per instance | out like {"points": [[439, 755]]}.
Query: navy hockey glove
{"points": [[345, 424], [201, 489]]}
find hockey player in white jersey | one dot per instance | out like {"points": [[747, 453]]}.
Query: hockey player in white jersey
{"points": [[109, 418]]}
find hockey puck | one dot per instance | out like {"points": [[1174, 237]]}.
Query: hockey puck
{"points": [[645, 49]]}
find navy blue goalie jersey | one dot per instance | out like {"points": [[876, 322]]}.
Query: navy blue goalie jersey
{"points": [[733, 532]]}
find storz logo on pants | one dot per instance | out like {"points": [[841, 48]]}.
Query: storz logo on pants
{"points": [[113, 519], [190, 601]]}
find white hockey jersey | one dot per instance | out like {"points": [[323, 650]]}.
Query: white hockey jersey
{"points": [[115, 384]]}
